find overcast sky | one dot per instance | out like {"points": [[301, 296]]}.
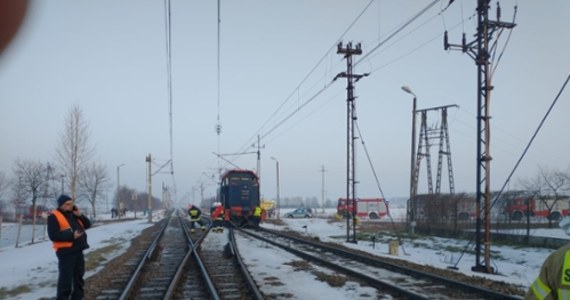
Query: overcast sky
{"points": [[109, 58]]}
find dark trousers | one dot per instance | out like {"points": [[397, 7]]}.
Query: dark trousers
{"points": [[218, 222], [71, 269]]}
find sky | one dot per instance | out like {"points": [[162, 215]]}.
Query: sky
{"points": [[277, 61], [36, 264]]}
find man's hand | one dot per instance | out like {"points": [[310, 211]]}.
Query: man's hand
{"points": [[78, 233]]}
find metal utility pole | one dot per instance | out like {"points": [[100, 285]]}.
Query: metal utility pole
{"points": [[149, 178], [348, 52], [259, 147], [323, 189], [119, 188], [411, 207], [277, 178], [479, 51]]}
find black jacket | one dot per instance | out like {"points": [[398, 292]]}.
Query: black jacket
{"points": [[56, 235]]}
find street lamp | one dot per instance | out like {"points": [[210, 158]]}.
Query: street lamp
{"points": [[118, 207], [277, 173], [411, 201]]}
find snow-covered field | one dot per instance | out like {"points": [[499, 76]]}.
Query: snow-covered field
{"points": [[35, 265]]}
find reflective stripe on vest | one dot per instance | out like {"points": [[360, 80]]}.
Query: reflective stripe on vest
{"points": [[563, 294], [539, 289], [565, 276], [63, 225]]}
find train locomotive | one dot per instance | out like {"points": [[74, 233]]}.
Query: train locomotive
{"points": [[239, 194]]}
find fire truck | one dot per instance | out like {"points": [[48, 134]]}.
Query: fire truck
{"points": [[372, 208], [27, 212], [518, 207]]}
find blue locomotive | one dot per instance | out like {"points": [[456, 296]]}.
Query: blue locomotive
{"points": [[239, 194]]}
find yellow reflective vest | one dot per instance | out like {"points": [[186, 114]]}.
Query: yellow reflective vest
{"points": [[553, 282], [257, 212]]}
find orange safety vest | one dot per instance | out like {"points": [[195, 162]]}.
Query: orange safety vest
{"points": [[63, 225]]}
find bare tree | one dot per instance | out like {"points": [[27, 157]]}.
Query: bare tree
{"points": [[93, 183], [549, 187], [74, 151], [4, 184], [31, 177]]}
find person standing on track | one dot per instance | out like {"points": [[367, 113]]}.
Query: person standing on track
{"points": [[218, 217], [66, 227], [256, 216], [195, 217], [553, 282]]}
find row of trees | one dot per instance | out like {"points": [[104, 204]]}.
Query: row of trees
{"points": [[74, 171]]}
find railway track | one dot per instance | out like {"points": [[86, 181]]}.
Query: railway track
{"points": [[395, 280], [174, 264]]}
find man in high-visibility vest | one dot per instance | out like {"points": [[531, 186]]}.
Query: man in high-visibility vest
{"points": [[256, 216], [553, 282], [66, 227]]}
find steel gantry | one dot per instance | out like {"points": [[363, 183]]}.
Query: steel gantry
{"points": [[428, 137]]}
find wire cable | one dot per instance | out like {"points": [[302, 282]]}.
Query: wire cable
{"points": [[531, 140], [419, 14], [298, 87]]}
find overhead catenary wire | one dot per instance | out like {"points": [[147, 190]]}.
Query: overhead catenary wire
{"points": [[402, 27], [298, 87], [296, 91]]}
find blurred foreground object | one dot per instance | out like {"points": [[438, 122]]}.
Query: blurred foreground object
{"points": [[12, 13]]}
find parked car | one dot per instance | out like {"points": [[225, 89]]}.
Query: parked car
{"points": [[300, 212]]}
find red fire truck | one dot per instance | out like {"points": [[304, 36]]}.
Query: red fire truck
{"points": [[372, 208], [518, 207], [27, 211]]}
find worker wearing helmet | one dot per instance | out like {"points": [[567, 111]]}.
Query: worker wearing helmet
{"points": [[218, 217]]}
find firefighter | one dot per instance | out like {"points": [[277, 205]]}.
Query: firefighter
{"points": [[218, 217], [66, 228], [553, 282], [256, 216], [195, 217]]}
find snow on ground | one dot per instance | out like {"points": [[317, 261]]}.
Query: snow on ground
{"points": [[35, 264]]}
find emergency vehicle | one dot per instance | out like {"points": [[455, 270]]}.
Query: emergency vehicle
{"points": [[27, 212], [268, 206], [518, 207], [372, 208]]}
